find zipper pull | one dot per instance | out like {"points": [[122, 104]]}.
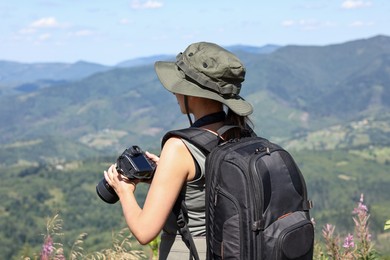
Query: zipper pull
{"points": [[263, 149], [258, 225]]}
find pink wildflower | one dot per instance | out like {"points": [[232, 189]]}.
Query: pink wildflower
{"points": [[47, 248], [328, 230], [348, 242], [361, 209], [331, 241]]}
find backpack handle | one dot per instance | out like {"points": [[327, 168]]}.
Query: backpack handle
{"points": [[226, 128]]}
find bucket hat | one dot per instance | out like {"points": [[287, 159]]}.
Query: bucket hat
{"points": [[206, 70]]}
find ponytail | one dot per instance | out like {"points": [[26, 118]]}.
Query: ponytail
{"points": [[243, 122]]}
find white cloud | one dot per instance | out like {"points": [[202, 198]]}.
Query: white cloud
{"points": [[149, 4], [81, 33], [354, 4], [42, 24], [288, 23], [46, 22], [360, 24], [304, 24], [309, 24]]}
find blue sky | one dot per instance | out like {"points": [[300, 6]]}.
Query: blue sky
{"points": [[108, 32]]}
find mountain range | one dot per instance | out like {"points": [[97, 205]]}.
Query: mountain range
{"points": [[294, 90], [16, 77]]}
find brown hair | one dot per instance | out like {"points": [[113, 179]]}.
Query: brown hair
{"points": [[243, 122]]}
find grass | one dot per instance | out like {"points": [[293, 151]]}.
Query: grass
{"points": [[53, 248]]}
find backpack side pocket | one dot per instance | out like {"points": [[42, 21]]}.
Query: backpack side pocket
{"points": [[290, 237]]}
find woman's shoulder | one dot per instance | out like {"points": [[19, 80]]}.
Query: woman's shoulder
{"points": [[176, 159], [173, 141], [175, 145]]}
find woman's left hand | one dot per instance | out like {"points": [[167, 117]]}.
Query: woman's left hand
{"points": [[152, 157]]}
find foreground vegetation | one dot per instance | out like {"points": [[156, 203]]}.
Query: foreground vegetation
{"points": [[52, 248], [356, 245]]}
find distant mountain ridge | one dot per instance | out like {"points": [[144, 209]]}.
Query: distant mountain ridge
{"points": [[12, 72], [16, 77], [144, 61], [294, 90], [266, 49], [16, 72], [235, 48]]}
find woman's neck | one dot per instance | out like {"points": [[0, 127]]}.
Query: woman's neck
{"points": [[210, 118], [201, 107], [212, 121]]}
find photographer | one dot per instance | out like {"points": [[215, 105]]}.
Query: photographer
{"points": [[206, 80]]}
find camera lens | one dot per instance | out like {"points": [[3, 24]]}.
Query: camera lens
{"points": [[106, 192]]}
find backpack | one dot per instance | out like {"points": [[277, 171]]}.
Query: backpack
{"points": [[256, 199]]}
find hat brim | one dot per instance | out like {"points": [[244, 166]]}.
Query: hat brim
{"points": [[174, 81]]}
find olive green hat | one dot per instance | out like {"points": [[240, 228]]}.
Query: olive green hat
{"points": [[209, 71]]}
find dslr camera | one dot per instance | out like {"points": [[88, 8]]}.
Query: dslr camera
{"points": [[132, 164]]}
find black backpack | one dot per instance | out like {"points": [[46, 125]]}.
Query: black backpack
{"points": [[256, 200]]}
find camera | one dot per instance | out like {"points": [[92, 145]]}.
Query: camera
{"points": [[132, 164]]}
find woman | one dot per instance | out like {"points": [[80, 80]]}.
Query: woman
{"points": [[206, 80]]}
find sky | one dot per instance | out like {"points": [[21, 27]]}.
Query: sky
{"points": [[112, 31]]}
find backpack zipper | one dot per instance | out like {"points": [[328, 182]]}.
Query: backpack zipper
{"points": [[257, 193], [258, 223]]}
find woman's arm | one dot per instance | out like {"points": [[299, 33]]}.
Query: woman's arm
{"points": [[175, 167]]}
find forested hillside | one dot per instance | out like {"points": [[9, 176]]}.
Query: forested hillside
{"points": [[328, 105]]}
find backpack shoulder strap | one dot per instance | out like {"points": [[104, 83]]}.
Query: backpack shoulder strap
{"points": [[182, 221], [203, 139]]}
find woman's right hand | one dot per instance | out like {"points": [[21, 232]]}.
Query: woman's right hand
{"points": [[118, 182]]}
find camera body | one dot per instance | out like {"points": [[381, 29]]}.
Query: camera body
{"points": [[132, 164]]}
